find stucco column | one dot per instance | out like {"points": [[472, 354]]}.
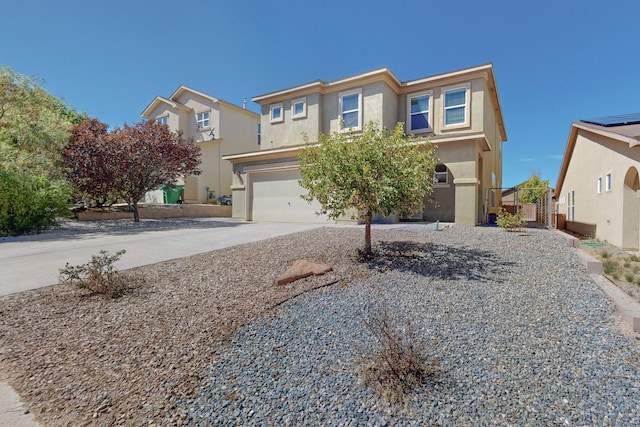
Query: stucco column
{"points": [[466, 200]]}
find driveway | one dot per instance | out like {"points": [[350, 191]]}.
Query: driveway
{"points": [[31, 262]]}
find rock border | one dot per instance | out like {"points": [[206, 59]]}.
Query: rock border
{"points": [[628, 307]]}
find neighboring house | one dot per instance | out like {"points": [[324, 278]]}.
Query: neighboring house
{"points": [[598, 182], [459, 110], [218, 127]]}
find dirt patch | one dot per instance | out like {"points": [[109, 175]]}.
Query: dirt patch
{"points": [[620, 267]]}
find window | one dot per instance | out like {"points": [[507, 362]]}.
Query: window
{"points": [[351, 110], [299, 108], [571, 205], [259, 133], [456, 106], [441, 174], [599, 185], [276, 113], [203, 120], [419, 111], [163, 120], [608, 182]]}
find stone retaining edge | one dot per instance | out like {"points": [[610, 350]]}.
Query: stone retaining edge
{"points": [[628, 307]]}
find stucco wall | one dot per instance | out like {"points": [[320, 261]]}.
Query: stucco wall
{"points": [[594, 157]]}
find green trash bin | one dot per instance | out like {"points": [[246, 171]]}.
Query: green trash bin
{"points": [[171, 193]]}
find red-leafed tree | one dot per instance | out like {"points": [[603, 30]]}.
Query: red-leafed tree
{"points": [[127, 162]]}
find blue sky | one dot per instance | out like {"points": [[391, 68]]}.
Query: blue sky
{"points": [[555, 61]]}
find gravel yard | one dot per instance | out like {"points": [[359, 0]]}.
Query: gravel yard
{"points": [[523, 336]]}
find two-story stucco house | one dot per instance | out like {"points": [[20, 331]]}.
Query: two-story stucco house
{"points": [[217, 126], [599, 184], [459, 110]]}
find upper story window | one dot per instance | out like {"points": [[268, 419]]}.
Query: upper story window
{"points": [[599, 185], [276, 114], [419, 108], [456, 105], [163, 120], [608, 182], [351, 109], [203, 120], [299, 108]]}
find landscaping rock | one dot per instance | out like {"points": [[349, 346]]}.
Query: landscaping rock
{"points": [[303, 268]]}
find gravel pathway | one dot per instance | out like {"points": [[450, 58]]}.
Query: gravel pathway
{"points": [[523, 337]]}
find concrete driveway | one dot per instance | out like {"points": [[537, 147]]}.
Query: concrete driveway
{"points": [[32, 262]]}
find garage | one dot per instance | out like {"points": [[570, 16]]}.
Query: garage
{"points": [[275, 196]]}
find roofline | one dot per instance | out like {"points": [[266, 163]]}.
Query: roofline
{"points": [[175, 104], [319, 86], [322, 86], [146, 113], [183, 88], [571, 143], [275, 152]]}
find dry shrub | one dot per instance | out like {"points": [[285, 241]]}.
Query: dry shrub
{"points": [[98, 276], [399, 365]]}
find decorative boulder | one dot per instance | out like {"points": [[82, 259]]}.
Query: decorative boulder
{"points": [[303, 268]]}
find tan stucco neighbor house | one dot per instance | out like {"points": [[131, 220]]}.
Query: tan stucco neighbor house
{"points": [[598, 182], [459, 110], [217, 126]]}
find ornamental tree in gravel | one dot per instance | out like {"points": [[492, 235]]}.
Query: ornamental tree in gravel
{"points": [[375, 171], [127, 162]]}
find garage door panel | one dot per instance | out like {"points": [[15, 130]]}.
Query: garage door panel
{"points": [[276, 197]]}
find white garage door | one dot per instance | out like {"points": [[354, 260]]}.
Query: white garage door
{"points": [[276, 197]]}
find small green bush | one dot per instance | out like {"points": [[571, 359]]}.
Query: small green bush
{"points": [[634, 258], [630, 278], [98, 276], [30, 203], [605, 254], [610, 266], [509, 221]]}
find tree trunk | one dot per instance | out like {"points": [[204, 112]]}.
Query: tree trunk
{"points": [[367, 232], [136, 214]]}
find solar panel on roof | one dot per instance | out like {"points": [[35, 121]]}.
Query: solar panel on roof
{"points": [[623, 119]]}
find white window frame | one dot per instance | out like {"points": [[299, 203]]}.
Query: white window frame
{"points": [[607, 185], [467, 105], [295, 102], [571, 205], [163, 120], [273, 108], [203, 120], [599, 185], [341, 95], [438, 175], [428, 93]]}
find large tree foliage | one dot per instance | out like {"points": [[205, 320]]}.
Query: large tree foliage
{"points": [[533, 189], [127, 162], [375, 171], [34, 127]]}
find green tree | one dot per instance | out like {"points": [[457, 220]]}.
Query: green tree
{"points": [[533, 189], [34, 127], [375, 171]]}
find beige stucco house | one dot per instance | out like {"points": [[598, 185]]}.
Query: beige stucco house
{"points": [[217, 126], [459, 110], [598, 182]]}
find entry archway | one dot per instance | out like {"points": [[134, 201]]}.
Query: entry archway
{"points": [[631, 210]]}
